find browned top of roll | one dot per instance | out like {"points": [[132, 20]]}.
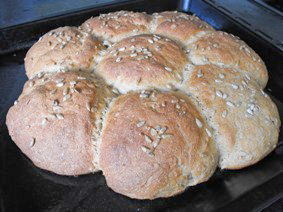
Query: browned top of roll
{"points": [[225, 50], [142, 62], [180, 26], [156, 146], [63, 48], [54, 120], [118, 25], [244, 118]]}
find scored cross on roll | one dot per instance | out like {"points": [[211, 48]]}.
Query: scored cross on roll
{"points": [[156, 102]]}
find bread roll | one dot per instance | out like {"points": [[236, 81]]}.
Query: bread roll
{"points": [[155, 146], [65, 48], [156, 102], [56, 121]]}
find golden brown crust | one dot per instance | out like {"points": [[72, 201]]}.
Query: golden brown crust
{"points": [[183, 155], [245, 120], [60, 123], [55, 130], [180, 26], [142, 62], [64, 48], [118, 25], [225, 50]]}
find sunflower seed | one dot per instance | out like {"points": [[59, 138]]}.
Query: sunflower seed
{"points": [[66, 97], [156, 142], [198, 122], [200, 74], [235, 86], [230, 104], [60, 84], [32, 142], [208, 132], [81, 78], [44, 121], [88, 106], [168, 69], [145, 149], [31, 83], [140, 123], [147, 139], [59, 116], [153, 132], [118, 59], [224, 113], [165, 136], [162, 130]]}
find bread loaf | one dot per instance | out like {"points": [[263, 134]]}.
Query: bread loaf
{"points": [[156, 102]]}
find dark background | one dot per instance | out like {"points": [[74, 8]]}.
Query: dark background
{"points": [[23, 187]]}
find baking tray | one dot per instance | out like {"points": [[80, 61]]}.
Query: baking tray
{"points": [[24, 187]]}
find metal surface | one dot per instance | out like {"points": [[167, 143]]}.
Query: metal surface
{"points": [[25, 187]]}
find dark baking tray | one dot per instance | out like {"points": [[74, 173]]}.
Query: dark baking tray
{"points": [[27, 188]]}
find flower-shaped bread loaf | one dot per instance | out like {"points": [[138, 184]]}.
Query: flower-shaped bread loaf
{"points": [[156, 102]]}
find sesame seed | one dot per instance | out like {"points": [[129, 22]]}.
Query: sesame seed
{"points": [[133, 40], [118, 59], [150, 41], [59, 116], [208, 132], [32, 142], [153, 132], [140, 123], [168, 68], [182, 100], [224, 113], [198, 122], [221, 76], [66, 97], [178, 106], [235, 86], [230, 104], [135, 30], [163, 104], [60, 84]]}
